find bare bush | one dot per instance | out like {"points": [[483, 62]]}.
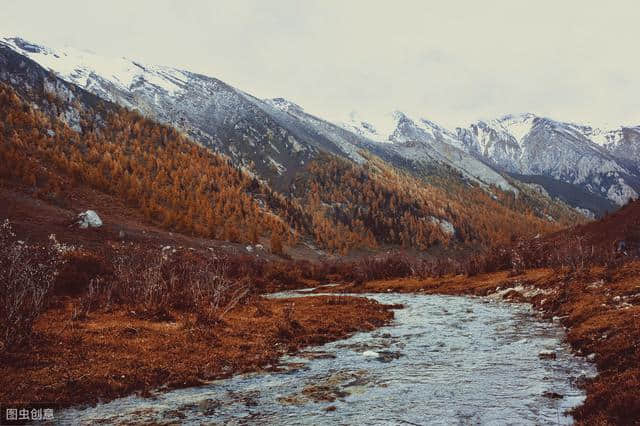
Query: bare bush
{"points": [[211, 293], [518, 264], [155, 283], [27, 274], [97, 295], [393, 265]]}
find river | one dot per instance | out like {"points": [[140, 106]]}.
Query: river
{"points": [[444, 360]]}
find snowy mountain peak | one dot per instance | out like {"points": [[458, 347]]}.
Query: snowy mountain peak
{"points": [[517, 125], [378, 132], [411, 128], [512, 118], [83, 67], [25, 45], [398, 115], [277, 135]]}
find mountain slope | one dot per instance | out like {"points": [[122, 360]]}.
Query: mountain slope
{"points": [[592, 169], [252, 132], [274, 138], [531, 145], [170, 181], [97, 143]]}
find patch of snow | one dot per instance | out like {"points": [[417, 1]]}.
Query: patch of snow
{"points": [[620, 193], [518, 125], [284, 105], [295, 145], [279, 167]]}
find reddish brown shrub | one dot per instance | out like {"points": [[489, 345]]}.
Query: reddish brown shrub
{"points": [[27, 273]]}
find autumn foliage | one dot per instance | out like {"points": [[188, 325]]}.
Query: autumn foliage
{"points": [[172, 182], [178, 185], [374, 205]]}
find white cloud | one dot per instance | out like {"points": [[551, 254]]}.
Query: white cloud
{"points": [[453, 63]]}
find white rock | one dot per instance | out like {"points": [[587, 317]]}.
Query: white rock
{"points": [[371, 354], [249, 249], [591, 357], [89, 219]]}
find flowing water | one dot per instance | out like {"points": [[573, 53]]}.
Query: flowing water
{"points": [[443, 360]]}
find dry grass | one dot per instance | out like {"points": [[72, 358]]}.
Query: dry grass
{"points": [[116, 353]]}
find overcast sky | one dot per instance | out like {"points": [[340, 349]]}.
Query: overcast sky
{"points": [[452, 62]]}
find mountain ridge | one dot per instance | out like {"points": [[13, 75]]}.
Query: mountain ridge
{"points": [[277, 138], [58, 135]]}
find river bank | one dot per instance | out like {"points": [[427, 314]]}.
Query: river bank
{"points": [[599, 308], [116, 353]]}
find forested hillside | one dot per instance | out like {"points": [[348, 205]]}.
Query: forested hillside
{"points": [[153, 168], [375, 205], [174, 183]]}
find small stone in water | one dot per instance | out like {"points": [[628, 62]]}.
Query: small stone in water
{"points": [[552, 395], [547, 355]]}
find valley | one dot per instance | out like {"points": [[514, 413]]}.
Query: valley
{"points": [[231, 236]]}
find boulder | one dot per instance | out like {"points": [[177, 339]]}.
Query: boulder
{"points": [[89, 219]]}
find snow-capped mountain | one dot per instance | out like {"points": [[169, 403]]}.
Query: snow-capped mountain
{"points": [[601, 167], [623, 143], [378, 133], [276, 138], [580, 155], [500, 140], [421, 140], [212, 112]]}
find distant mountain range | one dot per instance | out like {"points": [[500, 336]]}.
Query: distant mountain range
{"points": [[590, 168], [594, 170]]}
